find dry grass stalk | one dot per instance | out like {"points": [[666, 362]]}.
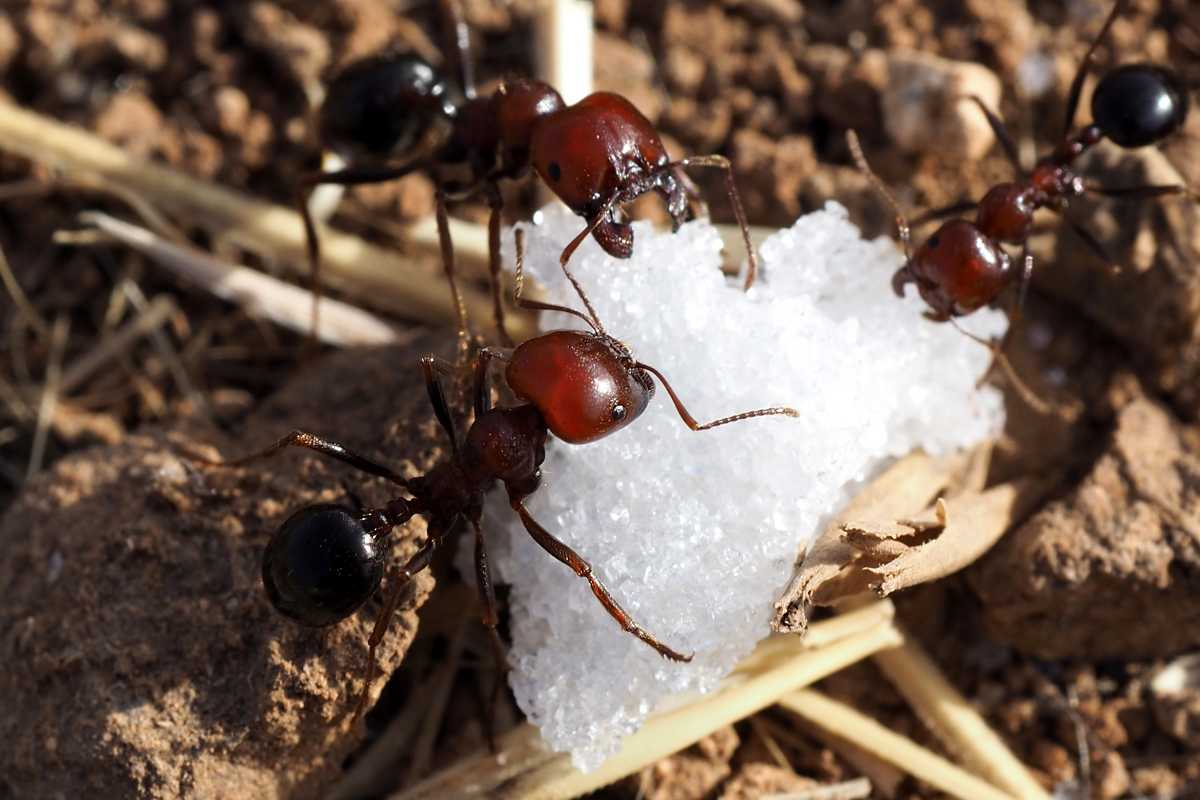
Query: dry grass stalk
{"points": [[20, 299], [954, 720], [422, 751], [157, 312], [885, 778], [525, 769], [390, 280], [52, 388], [839, 718], [287, 305], [856, 789]]}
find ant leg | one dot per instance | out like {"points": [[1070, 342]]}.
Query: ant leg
{"points": [[326, 447], [1014, 314], [593, 223], [496, 203], [999, 359], [458, 37], [690, 421], [1095, 245], [721, 162], [447, 246], [902, 226], [1002, 134], [538, 305], [437, 398], [1081, 73], [491, 620], [483, 389], [418, 562], [583, 569], [312, 244], [1142, 192]]}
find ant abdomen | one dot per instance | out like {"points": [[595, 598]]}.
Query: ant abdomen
{"points": [[321, 565], [383, 106], [585, 385], [958, 269], [1139, 104]]}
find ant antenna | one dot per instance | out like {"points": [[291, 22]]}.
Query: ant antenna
{"points": [[860, 161], [1081, 73], [999, 359], [538, 305], [691, 422]]}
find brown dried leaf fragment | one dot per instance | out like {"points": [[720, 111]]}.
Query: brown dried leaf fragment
{"points": [[949, 536], [824, 574]]}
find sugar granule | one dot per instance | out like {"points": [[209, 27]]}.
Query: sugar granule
{"points": [[696, 533]]}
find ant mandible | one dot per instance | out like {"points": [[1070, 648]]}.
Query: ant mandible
{"points": [[596, 155], [326, 560], [963, 265]]}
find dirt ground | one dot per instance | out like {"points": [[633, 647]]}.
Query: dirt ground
{"points": [[225, 91]]}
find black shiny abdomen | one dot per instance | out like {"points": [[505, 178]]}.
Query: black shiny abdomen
{"points": [[321, 565], [382, 105], [1139, 104]]}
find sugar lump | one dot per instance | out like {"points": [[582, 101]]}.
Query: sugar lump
{"points": [[696, 533]]}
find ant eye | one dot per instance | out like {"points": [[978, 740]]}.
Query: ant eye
{"points": [[555, 170], [618, 413]]}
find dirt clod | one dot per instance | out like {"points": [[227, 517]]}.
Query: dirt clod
{"points": [[143, 658], [1109, 570]]}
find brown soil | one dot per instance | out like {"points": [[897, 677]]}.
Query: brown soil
{"points": [[145, 659], [142, 656]]}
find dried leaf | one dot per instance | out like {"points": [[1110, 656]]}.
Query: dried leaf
{"points": [[964, 528], [824, 572]]}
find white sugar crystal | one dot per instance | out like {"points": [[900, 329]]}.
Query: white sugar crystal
{"points": [[696, 533]]}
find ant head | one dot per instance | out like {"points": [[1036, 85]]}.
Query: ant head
{"points": [[958, 269], [1139, 104], [586, 385], [383, 105], [595, 148], [519, 103], [321, 565]]}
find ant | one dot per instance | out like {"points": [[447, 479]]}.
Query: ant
{"points": [[326, 560], [964, 265], [595, 155]]}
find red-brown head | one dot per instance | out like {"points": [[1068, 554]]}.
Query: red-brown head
{"points": [[600, 147], [959, 269], [586, 385]]}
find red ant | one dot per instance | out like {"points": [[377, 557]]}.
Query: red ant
{"points": [[964, 265], [326, 560], [596, 155]]}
